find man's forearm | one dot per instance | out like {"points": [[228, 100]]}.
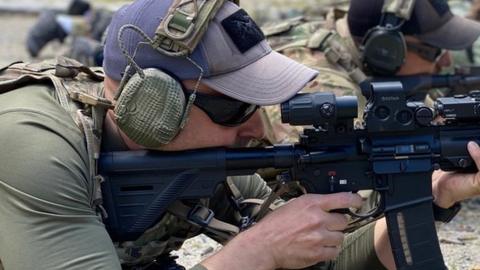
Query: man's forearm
{"points": [[298, 234]]}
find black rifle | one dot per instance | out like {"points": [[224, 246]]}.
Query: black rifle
{"points": [[394, 154]]}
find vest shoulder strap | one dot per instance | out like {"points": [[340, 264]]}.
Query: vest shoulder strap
{"points": [[78, 89]]}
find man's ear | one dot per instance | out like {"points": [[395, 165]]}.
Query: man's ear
{"points": [[110, 87]]}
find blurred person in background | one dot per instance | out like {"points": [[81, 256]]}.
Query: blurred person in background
{"points": [[81, 26]]}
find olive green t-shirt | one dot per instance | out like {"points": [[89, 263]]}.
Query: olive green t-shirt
{"points": [[47, 220]]}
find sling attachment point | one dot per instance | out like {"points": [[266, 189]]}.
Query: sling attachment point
{"points": [[201, 215]]}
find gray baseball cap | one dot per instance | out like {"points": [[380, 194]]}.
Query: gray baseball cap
{"points": [[233, 53], [431, 22]]}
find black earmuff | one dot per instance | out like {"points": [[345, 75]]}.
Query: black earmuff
{"points": [[384, 50]]}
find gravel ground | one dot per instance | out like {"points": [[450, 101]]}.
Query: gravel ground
{"points": [[460, 240]]}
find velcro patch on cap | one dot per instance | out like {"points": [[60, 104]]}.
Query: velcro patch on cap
{"points": [[243, 31], [441, 6]]}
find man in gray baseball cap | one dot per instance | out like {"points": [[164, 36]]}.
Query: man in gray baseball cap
{"points": [[204, 98], [236, 65]]}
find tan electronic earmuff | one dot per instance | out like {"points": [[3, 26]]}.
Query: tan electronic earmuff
{"points": [[383, 47], [150, 106]]}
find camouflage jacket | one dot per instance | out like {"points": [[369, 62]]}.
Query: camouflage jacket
{"points": [[296, 38], [471, 10]]}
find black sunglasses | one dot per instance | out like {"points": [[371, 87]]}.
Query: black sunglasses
{"points": [[427, 52], [223, 110]]}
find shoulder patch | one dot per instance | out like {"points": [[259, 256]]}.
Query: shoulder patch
{"points": [[243, 31]]}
